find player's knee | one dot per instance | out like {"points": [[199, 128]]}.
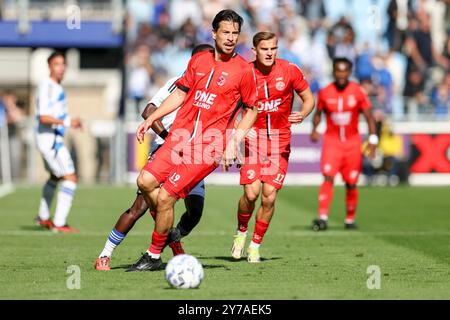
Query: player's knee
{"points": [[329, 178], [251, 196], [144, 182], [73, 178], [164, 200], [268, 200]]}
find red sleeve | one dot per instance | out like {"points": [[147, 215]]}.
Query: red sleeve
{"points": [[363, 99], [248, 89], [299, 82], [320, 101], [187, 80]]}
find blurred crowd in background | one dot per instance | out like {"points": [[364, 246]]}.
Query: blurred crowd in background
{"points": [[400, 48]]}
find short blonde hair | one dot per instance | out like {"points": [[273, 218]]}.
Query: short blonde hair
{"points": [[261, 36]]}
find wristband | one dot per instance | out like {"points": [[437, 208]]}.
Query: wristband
{"points": [[67, 121], [373, 139], [164, 134]]}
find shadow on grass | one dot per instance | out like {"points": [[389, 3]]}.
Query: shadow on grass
{"points": [[230, 259], [163, 267]]}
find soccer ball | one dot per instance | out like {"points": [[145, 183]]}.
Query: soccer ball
{"points": [[184, 271]]}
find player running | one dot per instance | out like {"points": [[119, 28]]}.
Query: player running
{"points": [[268, 148], [342, 101], [53, 120], [209, 92], [193, 202]]}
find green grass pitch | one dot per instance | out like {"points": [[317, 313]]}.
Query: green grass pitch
{"points": [[404, 231]]}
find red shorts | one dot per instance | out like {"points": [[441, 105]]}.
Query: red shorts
{"points": [[267, 163], [179, 173], [343, 157]]}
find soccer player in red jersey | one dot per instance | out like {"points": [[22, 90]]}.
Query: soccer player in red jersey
{"points": [[342, 101], [193, 202], [268, 147], [208, 94]]}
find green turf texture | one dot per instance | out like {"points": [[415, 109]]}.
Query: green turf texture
{"points": [[405, 231]]}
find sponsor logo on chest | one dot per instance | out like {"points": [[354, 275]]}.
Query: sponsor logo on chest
{"points": [[269, 105], [203, 99]]}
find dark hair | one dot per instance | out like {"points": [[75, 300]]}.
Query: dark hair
{"points": [[201, 47], [54, 55], [261, 36], [344, 60], [227, 15]]}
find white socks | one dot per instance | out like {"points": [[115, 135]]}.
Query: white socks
{"points": [[154, 255], [48, 193], [108, 249], [114, 239], [254, 245], [64, 202]]}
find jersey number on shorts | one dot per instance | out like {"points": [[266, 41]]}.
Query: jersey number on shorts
{"points": [[279, 178], [175, 177]]}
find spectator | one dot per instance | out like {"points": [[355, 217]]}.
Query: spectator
{"points": [[182, 10], [440, 98], [139, 76], [398, 12], [391, 147], [15, 117]]}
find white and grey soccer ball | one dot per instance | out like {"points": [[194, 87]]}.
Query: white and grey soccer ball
{"points": [[184, 271]]}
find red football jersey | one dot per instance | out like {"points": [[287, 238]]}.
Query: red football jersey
{"points": [[342, 109], [276, 95], [214, 89]]}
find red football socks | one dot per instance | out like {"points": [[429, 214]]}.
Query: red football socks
{"points": [[260, 230], [243, 219], [325, 197], [352, 202], [158, 241]]}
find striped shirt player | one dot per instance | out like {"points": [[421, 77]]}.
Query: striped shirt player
{"points": [[52, 122]]}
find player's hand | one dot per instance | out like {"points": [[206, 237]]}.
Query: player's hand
{"points": [[229, 155], [76, 123], [296, 117], [315, 136], [143, 128], [370, 151]]}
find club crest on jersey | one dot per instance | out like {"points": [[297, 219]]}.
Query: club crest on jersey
{"points": [[351, 101], [222, 79], [280, 85]]}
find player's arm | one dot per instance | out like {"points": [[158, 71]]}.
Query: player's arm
{"points": [[307, 107], [157, 125], [246, 123], [244, 126], [315, 136], [373, 138], [67, 121], [169, 105]]}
